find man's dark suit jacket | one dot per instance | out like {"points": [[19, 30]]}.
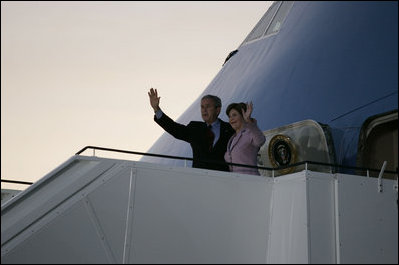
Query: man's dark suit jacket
{"points": [[195, 134]]}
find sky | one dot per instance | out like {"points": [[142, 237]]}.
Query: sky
{"points": [[77, 73]]}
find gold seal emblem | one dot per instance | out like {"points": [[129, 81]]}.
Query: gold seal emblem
{"points": [[282, 152]]}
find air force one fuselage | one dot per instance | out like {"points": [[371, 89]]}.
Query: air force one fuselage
{"points": [[335, 63]]}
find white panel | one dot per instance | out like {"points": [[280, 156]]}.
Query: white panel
{"points": [[289, 227], [49, 192], [71, 238], [321, 217], [368, 220], [186, 216], [110, 203]]}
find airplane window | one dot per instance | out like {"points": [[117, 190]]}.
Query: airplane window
{"points": [[279, 18], [271, 21], [262, 25]]}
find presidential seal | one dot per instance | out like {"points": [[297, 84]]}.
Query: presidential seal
{"points": [[282, 152]]}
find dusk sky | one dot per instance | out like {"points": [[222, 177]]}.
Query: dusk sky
{"points": [[77, 73]]}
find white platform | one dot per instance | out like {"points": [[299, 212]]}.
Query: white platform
{"points": [[97, 210]]}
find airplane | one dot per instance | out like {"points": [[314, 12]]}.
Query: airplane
{"points": [[323, 78], [332, 63]]}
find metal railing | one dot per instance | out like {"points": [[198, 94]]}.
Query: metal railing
{"points": [[16, 182], [333, 167]]}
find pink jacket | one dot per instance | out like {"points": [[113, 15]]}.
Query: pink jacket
{"points": [[243, 148]]}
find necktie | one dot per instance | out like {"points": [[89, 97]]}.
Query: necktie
{"points": [[210, 136]]}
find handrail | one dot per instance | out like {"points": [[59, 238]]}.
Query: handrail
{"points": [[167, 156], [235, 164], [17, 182], [216, 162]]}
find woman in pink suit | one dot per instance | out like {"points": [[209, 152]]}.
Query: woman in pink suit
{"points": [[244, 145]]}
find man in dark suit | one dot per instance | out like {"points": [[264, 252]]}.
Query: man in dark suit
{"points": [[208, 139]]}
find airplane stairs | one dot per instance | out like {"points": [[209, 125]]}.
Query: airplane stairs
{"points": [[100, 210]]}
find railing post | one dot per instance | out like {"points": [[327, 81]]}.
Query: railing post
{"points": [[380, 176]]}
